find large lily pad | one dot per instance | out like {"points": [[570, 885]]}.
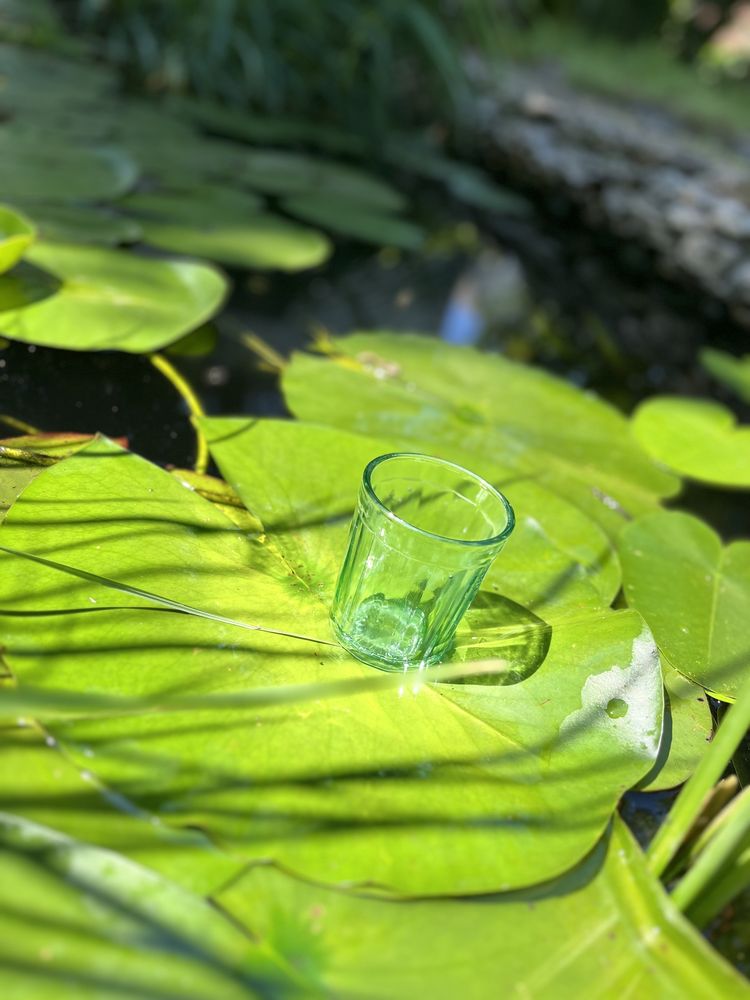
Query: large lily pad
{"points": [[350, 218], [695, 595], [444, 788], [16, 235], [476, 408], [697, 438], [608, 928], [85, 298]]}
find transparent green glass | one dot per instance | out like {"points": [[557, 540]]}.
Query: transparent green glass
{"points": [[423, 535]]}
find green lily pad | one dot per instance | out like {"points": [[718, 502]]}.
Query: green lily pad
{"points": [[688, 727], [225, 225], [695, 595], [696, 438], [481, 409], [82, 224], [350, 218], [239, 124], [33, 168], [443, 788], [87, 298], [731, 371], [258, 241], [202, 204], [608, 927], [16, 235], [279, 172]]}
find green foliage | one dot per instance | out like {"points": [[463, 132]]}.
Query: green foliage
{"points": [[267, 56], [695, 437], [644, 69]]}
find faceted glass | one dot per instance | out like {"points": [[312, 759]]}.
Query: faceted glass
{"points": [[423, 535]]}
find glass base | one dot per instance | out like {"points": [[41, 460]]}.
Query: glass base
{"points": [[380, 656]]}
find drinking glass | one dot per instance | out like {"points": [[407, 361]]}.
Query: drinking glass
{"points": [[423, 535]]}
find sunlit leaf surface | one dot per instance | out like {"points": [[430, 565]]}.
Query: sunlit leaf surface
{"points": [[446, 788], [77, 920], [478, 409], [695, 595], [87, 298], [695, 437], [607, 929]]}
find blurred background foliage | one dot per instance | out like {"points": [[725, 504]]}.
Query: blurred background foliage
{"points": [[366, 65]]}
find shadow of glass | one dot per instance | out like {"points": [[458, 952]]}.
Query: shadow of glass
{"points": [[496, 628]]}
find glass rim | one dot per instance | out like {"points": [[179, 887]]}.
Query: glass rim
{"points": [[510, 517]]}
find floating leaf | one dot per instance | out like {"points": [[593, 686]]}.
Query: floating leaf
{"points": [[481, 409], [226, 226], [278, 172], [696, 438], [82, 224], [695, 595], [445, 788], [350, 218], [258, 241], [33, 168], [86, 298], [203, 204], [688, 727], [16, 235], [275, 131], [608, 927], [733, 372], [221, 494]]}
